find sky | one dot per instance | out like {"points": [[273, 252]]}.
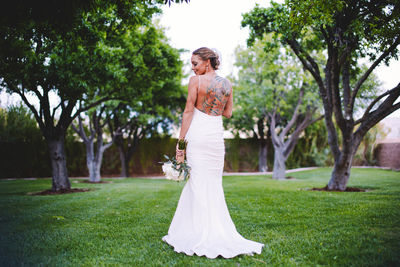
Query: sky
{"points": [[210, 23]]}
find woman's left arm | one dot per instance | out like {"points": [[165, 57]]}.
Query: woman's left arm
{"points": [[228, 106]]}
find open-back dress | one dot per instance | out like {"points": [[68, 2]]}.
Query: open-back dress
{"points": [[202, 224]]}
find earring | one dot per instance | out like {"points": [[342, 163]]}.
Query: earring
{"points": [[206, 68]]}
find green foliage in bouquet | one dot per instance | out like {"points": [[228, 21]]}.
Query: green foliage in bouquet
{"points": [[182, 167]]}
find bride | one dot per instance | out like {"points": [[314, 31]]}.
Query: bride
{"points": [[202, 224]]}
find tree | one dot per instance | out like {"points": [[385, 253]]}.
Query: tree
{"points": [[138, 121], [251, 102], [147, 97], [152, 68], [285, 140], [136, 124], [312, 148], [346, 31], [273, 91], [176, 1], [160, 100], [94, 141], [70, 64]]}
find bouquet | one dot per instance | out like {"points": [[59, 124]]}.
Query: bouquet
{"points": [[176, 171]]}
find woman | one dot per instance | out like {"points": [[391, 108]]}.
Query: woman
{"points": [[202, 224]]}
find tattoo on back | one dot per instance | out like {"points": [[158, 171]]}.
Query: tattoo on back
{"points": [[216, 97]]}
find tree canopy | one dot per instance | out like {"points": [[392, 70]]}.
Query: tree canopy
{"points": [[81, 63], [151, 96], [345, 31], [275, 95]]}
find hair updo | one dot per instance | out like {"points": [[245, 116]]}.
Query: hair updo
{"points": [[206, 53]]}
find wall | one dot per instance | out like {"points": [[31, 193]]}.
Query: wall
{"points": [[388, 155]]}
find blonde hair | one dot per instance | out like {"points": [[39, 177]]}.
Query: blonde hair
{"points": [[206, 53]]}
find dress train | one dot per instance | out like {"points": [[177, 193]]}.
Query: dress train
{"points": [[202, 224]]}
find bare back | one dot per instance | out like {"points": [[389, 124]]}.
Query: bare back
{"points": [[213, 94]]}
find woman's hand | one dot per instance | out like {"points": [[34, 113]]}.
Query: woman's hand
{"points": [[180, 155]]}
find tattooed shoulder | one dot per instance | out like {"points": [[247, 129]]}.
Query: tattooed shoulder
{"points": [[216, 96]]}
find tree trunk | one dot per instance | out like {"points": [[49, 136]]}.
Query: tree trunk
{"points": [[279, 164], [98, 162], [94, 161], [94, 172], [60, 178], [262, 157], [340, 174], [90, 162], [124, 162], [341, 170]]}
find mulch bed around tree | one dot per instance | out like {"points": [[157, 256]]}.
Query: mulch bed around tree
{"points": [[99, 182], [348, 189], [62, 191]]}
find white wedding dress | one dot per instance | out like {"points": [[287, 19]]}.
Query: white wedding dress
{"points": [[202, 224]]}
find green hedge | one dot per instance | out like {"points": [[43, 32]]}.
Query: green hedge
{"points": [[23, 151], [30, 159], [24, 159]]}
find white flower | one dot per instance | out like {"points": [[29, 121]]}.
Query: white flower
{"points": [[171, 173], [175, 171]]}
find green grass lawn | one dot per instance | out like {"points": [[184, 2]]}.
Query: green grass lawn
{"points": [[121, 223]]}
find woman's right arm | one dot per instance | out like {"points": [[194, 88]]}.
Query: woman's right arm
{"points": [[189, 108], [229, 106], [187, 115]]}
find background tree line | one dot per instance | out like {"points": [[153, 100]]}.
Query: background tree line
{"points": [[24, 150], [111, 70], [345, 31], [108, 51]]}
